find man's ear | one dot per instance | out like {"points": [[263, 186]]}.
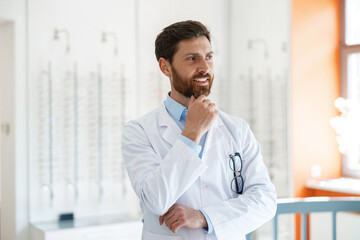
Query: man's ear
{"points": [[165, 67]]}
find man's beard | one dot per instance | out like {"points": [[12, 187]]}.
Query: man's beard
{"points": [[187, 87]]}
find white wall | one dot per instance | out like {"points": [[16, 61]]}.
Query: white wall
{"points": [[14, 208], [7, 119], [260, 79]]}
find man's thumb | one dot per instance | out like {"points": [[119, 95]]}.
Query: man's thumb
{"points": [[192, 99]]}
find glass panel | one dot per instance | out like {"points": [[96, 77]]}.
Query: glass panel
{"points": [[352, 22], [354, 76], [354, 113]]}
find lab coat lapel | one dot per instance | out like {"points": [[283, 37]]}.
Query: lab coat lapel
{"points": [[171, 131], [215, 135]]}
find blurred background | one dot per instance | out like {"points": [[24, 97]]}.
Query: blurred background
{"points": [[72, 73]]}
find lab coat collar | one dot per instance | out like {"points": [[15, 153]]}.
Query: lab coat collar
{"points": [[215, 134], [172, 131]]}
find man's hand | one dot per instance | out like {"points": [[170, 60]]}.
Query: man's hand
{"points": [[201, 114], [180, 216]]}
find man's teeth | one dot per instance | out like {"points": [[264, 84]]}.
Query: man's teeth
{"points": [[200, 80]]}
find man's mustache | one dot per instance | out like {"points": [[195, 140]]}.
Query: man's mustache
{"points": [[207, 75]]}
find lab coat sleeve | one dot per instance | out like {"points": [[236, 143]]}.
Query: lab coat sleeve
{"points": [[158, 182], [257, 205]]}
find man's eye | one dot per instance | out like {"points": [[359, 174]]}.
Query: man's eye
{"points": [[191, 58], [209, 57]]}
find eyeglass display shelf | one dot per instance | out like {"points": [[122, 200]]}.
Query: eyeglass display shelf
{"points": [[339, 185]]}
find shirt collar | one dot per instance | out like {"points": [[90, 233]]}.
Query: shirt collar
{"points": [[175, 109]]}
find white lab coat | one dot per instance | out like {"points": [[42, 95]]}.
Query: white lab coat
{"points": [[163, 171]]}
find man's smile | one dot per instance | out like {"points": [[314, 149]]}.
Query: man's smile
{"points": [[201, 81]]}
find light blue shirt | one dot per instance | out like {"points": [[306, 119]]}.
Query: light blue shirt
{"points": [[178, 112]]}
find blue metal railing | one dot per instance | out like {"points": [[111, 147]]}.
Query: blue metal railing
{"points": [[305, 206]]}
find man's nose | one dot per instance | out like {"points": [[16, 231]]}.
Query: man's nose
{"points": [[203, 66]]}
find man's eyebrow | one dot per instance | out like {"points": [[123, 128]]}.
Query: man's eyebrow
{"points": [[197, 54]]}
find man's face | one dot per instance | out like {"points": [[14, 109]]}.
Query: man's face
{"points": [[192, 71]]}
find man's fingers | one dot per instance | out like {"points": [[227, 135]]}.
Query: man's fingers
{"points": [[207, 102], [172, 207], [167, 214], [180, 216], [201, 98], [170, 210], [175, 227], [170, 218], [212, 107]]}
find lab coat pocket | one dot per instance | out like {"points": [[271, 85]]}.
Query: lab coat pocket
{"points": [[153, 236]]}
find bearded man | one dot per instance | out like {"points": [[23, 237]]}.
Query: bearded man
{"points": [[197, 171]]}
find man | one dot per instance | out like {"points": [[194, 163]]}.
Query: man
{"points": [[197, 171]]}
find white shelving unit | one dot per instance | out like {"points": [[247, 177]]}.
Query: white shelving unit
{"points": [[88, 229]]}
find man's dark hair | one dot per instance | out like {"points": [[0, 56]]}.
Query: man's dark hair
{"points": [[167, 41]]}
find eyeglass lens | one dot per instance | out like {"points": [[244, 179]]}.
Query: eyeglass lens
{"points": [[235, 163], [237, 184]]}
